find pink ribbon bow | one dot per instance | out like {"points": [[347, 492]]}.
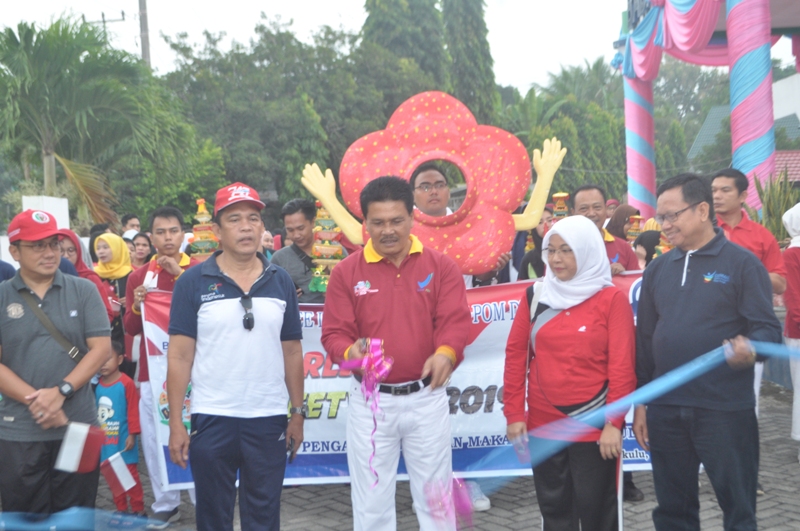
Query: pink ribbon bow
{"points": [[375, 367]]}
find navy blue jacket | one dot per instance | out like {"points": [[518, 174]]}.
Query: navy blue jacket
{"points": [[688, 307]]}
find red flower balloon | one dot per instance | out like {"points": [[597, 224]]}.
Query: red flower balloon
{"points": [[494, 163]]}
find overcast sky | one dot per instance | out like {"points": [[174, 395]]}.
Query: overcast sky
{"points": [[528, 38]]}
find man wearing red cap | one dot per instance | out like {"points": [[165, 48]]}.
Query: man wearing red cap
{"points": [[235, 330], [43, 384]]}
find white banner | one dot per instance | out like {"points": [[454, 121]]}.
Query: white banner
{"points": [[480, 446]]}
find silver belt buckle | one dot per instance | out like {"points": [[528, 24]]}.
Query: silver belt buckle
{"points": [[401, 390], [73, 352]]}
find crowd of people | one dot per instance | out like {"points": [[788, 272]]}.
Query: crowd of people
{"points": [[234, 333]]}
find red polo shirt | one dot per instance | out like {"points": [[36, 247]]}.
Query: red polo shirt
{"points": [[619, 251], [132, 321], [758, 240], [792, 295], [417, 309]]}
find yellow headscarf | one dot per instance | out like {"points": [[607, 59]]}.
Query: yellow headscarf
{"points": [[120, 264], [651, 224]]}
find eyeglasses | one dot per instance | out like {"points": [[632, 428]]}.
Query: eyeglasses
{"points": [[248, 321], [673, 216], [39, 247], [563, 252], [425, 187]]}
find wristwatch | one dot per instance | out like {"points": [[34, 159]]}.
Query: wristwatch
{"points": [[299, 411], [66, 389]]}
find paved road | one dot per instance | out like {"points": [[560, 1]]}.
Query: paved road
{"points": [[514, 506]]}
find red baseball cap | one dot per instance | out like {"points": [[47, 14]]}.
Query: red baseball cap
{"points": [[236, 193], [32, 226]]}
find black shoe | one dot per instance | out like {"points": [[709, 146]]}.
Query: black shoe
{"points": [[631, 494], [162, 519]]}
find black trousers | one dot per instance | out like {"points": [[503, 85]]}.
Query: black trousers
{"points": [[577, 485], [30, 484], [256, 447], [726, 442]]}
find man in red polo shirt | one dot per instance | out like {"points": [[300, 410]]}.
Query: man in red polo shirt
{"points": [[589, 200], [729, 189], [414, 300], [161, 273]]}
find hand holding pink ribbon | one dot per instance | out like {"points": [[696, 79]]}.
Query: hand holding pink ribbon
{"points": [[375, 367]]}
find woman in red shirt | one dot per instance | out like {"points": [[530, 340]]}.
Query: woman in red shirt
{"points": [[791, 297], [580, 348]]}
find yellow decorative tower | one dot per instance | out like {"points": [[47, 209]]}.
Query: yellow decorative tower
{"points": [[203, 243]]}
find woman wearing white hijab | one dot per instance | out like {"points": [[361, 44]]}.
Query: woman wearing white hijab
{"points": [[580, 346], [791, 297]]}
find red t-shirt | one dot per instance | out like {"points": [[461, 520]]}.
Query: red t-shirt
{"points": [[791, 296], [619, 251], [758, 240], [577, 351], [417, 309], [132, 322]]}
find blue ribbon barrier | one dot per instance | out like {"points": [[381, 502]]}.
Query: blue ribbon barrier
{"points": [[541, 448], [74, 519], [542, 445]]}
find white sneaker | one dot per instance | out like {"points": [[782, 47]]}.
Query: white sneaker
{"points": [[479, 500]]}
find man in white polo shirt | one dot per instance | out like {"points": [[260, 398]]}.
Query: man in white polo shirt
{"points": [[235, 329]]}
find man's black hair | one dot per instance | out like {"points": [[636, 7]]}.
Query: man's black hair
{"points": [[306, 206], [166, 212], [694, 189], [127, 217], [428, 166], [387, 188], [100, 228], [739, 178], [585, 188]]}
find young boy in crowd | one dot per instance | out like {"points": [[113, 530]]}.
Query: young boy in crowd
{"points": [[118, 414]]}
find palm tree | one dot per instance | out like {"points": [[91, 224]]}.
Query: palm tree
{"points": [[67, 94], [532, 112], [594, 82]]}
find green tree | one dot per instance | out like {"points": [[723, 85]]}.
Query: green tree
{"points": [[670, 152], [528, 114], [76, 101], [593, 82], [718, 155], [410, 29], [254, 103], [686, 92], [471, 69], [780, 72]]}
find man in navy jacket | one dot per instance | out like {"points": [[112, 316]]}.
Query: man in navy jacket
{"points": [[705, 292]]}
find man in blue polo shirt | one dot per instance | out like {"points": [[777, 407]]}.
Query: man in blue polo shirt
{"points": [[705, 292], [235, 329]]}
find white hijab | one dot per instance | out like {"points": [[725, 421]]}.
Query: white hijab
{"points": [[593, 272], [791, 220]]}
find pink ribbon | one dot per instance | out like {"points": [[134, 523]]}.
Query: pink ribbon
{"points": [[375, 367], [448, 502]]}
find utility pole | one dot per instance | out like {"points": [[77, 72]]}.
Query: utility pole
{"points": [[144, 32], [104, 21]]}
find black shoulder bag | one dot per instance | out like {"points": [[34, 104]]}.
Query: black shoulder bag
{"points": [[72, 351]]}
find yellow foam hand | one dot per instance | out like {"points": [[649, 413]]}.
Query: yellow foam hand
{"points": [[546, 163], [323, 188]]}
